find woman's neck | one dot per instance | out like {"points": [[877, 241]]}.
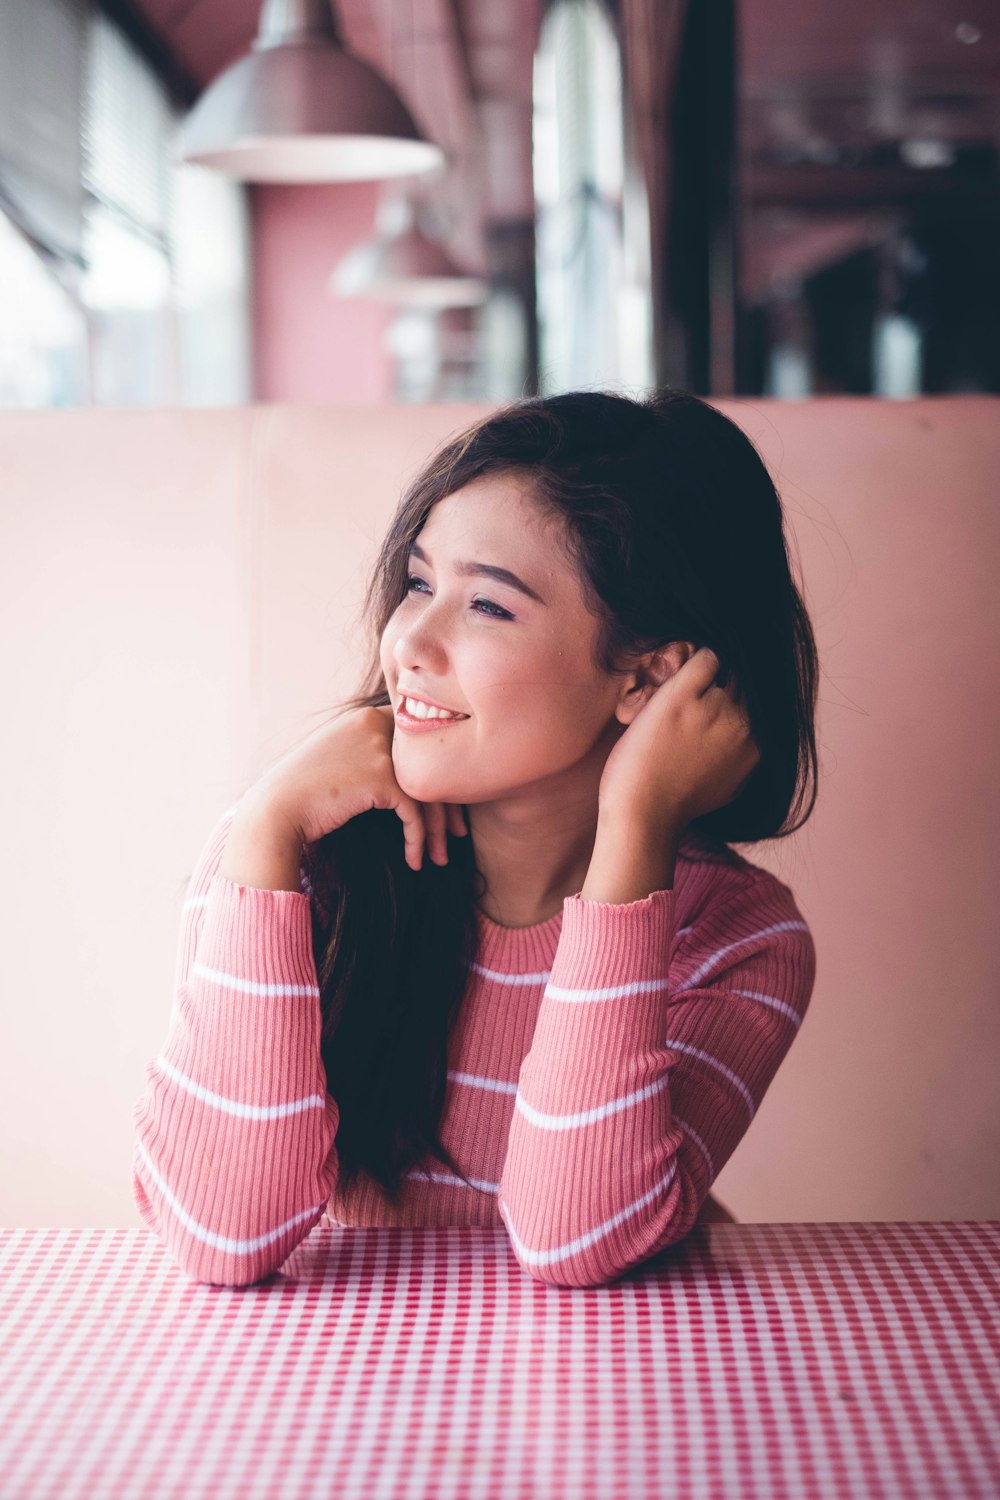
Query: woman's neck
{"points": [[531, 865]]}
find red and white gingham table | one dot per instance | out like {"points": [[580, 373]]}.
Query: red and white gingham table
{"points": [[849, 1361]]}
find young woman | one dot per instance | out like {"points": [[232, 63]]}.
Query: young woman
{"points": [[565, 1017]]}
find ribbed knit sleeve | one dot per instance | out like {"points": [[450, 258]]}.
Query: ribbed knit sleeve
{"points": [[645, 1071], [234, 1160]]}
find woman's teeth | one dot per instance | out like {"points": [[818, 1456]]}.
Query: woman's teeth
{"points": [[423, 711]]}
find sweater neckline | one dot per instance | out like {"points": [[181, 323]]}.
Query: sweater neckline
{"points": [[519, 950], [491, 926]]}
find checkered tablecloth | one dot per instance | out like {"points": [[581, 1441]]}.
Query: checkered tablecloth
{"points": [[771, 1360]]}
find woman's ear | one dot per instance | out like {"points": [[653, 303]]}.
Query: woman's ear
{"points": [[649, 673]]}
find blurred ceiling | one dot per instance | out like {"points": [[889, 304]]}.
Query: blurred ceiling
{"points": [[848, 112], [850, 76], [856, 117]]}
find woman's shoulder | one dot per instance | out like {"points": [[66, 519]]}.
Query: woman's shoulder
{"points": [[724, 898], [732, 875], [696, 848]]}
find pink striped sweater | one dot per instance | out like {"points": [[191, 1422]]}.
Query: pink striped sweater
{"points": [[604, 1066]]}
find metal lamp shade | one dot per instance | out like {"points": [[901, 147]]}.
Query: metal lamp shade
{"points": [[305, 112], [408, 269]]}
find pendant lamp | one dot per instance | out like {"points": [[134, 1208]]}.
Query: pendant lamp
{"points": [[403, 265], [298, 108]]}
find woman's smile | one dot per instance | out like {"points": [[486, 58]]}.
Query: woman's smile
{"points": [[411, 722]]}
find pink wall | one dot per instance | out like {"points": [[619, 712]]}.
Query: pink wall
{"points": [[309, 345]]}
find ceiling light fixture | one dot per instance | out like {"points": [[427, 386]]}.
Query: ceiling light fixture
{"points": [[403, 265], [299, 108]]}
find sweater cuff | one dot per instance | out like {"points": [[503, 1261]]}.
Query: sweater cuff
{"points": [[270, 930], [606, 939]]}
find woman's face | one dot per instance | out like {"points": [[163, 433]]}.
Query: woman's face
{"points": [[519, 667]]}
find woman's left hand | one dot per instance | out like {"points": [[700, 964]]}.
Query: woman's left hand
{"points": [[688, 751]]}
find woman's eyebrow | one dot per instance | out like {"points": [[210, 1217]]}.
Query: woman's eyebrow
{"points": [[485, 570]]}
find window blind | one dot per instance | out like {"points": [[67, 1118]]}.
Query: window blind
{"points": [[41, 68], [128, 134]]}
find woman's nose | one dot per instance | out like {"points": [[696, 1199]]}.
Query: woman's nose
{"points": [[421, 641]]}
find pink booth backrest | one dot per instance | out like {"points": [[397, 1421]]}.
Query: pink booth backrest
{"points": [[181, 592]]}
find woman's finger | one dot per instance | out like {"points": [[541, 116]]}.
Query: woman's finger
{"points": [[457, 821], [709, 665], [414, 833], [437, 838]]}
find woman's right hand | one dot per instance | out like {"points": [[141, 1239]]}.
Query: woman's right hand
{"points": [[345, 768]]}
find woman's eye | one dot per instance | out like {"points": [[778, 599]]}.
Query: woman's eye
{"points": [[485, 606]]}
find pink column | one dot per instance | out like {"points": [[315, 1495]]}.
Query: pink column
{"points": [[310, 346]]}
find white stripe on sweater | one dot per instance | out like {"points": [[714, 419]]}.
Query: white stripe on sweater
{"points": [[251, 986], [601, 1111], [693, 1135], [510, 979], [607, 992], [494, 1085], [587, 1116], [714, 1062], [236, 1106], [499, 1086], [779, 1005], [562, 1252], [448, 1179], [207, 1236], [692, 980]]}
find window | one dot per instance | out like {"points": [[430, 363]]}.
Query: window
{"points": [[126, 272], [167, 302], [43, 335], [592, 261]]}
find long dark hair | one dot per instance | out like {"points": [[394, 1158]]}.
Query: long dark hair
{"points": [[676, 530]]}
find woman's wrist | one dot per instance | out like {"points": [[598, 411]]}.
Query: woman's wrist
{"points": [[262, 849], [631, 860]]}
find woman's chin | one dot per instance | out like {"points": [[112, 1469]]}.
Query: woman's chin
{"points": [[422, 788]]}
